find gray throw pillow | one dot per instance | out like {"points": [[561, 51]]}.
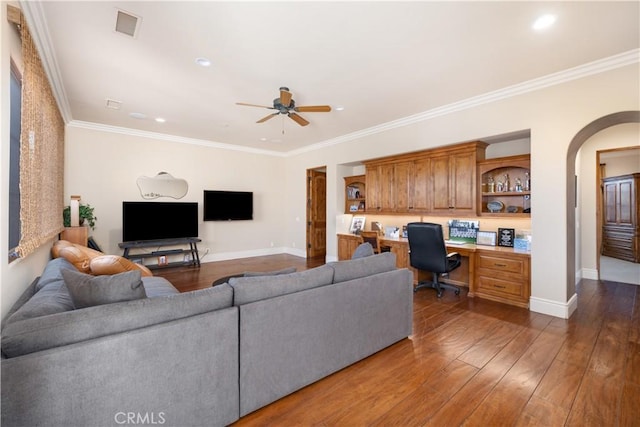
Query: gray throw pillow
{"points": [[87, 290], [363, 250]]}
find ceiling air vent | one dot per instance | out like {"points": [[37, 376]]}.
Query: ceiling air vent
{"points": [[126, 23], [113, 104]]}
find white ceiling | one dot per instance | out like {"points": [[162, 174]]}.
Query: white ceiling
{"points": [[382, 61]]}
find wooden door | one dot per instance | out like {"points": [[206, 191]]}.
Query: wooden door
{"points": [[316, 213]]}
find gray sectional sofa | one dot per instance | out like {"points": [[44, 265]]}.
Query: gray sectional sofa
{"points": [[201, 358]]}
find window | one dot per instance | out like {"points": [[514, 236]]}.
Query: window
{"points": [[14, 159]]}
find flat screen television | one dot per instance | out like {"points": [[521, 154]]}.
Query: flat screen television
{"points": [[228, 205], [159, 220]]}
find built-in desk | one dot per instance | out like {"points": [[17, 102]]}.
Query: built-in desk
{"points": [[492, 272]]}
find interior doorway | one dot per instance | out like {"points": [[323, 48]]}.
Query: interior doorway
{"points": [[316, 212], [610, 163]]}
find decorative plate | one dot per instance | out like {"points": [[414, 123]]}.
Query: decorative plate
{"points": [[495, 206], [512, 209]]}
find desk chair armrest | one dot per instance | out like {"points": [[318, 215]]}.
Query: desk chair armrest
{"points": [[454, 254]]}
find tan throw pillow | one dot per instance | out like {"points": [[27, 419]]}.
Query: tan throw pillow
{"points": [[57, 245], [87, 290], [75, 256], [114, 264]]}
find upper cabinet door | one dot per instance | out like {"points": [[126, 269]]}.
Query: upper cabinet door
{"points": [[453, 182], [463, 182]]}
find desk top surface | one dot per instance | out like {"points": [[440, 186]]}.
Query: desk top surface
{"points": [[454, 247]]}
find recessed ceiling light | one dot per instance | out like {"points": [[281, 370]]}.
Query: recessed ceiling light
{"points": [[544, 22], [263, 139], [138, 115], [160, 120], [203, 62], [339, 108]]}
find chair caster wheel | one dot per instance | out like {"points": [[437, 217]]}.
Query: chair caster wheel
{"points": [[457, 291], [439, 294]]}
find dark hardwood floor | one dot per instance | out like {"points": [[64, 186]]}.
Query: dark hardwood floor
{"points": [[473, 362]]}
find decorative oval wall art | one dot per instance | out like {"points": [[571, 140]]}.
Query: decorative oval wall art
{"points": [[162, 185]]}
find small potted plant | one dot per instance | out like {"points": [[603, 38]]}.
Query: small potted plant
{"points": [[85, 213]]}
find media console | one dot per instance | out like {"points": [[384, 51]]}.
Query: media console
{"points": [[192, 250]]}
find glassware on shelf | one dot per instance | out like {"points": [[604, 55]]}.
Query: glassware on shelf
{"points": [[491, 184], [507, 183], [527, 182], [518, 186]]}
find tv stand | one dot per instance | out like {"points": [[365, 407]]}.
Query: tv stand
{"points": [[191, 241]]}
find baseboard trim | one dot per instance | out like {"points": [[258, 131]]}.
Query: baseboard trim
{"points": [[590, 273], [554, 308]]}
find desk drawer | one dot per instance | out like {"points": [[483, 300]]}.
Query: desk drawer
{"points": [[509, 265], [499, 286]]}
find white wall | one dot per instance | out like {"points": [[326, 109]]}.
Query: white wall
{"points": [[102, 167], [624, 135]]}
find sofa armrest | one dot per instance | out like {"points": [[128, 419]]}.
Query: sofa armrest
{"points": [[183, 372]]}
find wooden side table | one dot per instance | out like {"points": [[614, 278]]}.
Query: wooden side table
{"points": [[78, 235]]}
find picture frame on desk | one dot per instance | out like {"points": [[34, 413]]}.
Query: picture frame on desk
{"points": [[487, 238], [357, 224], [506, 236]]}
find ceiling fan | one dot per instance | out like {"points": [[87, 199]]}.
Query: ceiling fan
{"points": [[287, 105]]}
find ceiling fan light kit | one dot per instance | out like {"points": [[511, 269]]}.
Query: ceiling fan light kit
{"points": [[286, 105]]}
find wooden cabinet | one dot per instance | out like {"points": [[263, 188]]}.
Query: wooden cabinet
{"points": [[494, 198], [437, 182], [347, 244], [621, 231], [503, 277], [78, 235], [355, 194], [453, 183]]}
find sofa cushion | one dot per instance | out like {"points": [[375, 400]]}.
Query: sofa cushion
{"points": [[249, 289], [269, 273], [361, 267], [51, 295], [31, 335], [363, 250], [87, 290], [113, 264], [156, 286]]}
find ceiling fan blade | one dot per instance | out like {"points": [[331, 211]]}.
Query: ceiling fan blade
{"points": [[298, 119], [254, 105], [285, 97], [270, 116], [313, 109]]}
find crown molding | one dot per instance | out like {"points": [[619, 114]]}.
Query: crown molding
{"points": [[34, 15], [171, 138], [602, 65]]}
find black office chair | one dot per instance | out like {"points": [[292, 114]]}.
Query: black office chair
{"points": [[428, 252]]}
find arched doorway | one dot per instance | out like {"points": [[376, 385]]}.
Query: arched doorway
{"points": [[578, 140]]}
